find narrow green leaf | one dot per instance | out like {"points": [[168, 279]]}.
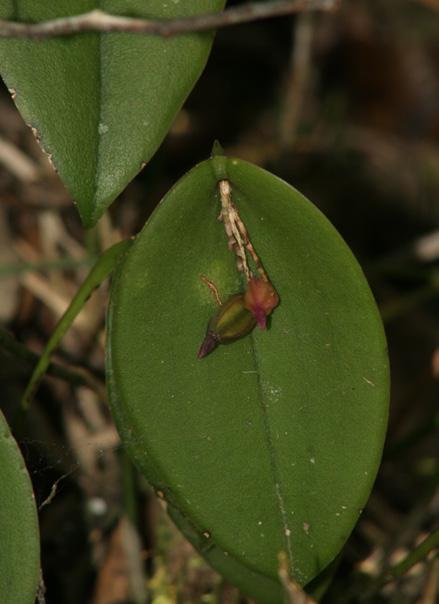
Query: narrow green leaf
{"points": [[270, 443], [100, 271], [102, 103], [419, 553], [20, 548]]}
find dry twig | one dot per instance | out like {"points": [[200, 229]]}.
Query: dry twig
{"points": [[100, 21], [298, 80], [294, 594], [17, 162]]}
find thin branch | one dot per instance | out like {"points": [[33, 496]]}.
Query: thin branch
{"points": [[76, 376], [54, 489], [298, 80], [100, 21]]}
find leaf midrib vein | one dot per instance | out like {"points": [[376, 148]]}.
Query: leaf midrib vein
{"points": [[99, 137], [278, 489]]}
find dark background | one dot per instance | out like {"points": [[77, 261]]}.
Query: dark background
{"points": [[345, 107]]}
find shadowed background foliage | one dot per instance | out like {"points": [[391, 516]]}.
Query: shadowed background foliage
{"points": [[342, 106]]}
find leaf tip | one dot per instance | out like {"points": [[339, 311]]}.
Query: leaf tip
{"points": [[217, 149]]}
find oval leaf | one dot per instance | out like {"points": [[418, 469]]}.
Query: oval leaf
{"points": [[269, 444], [19, 550], [101, 104]]}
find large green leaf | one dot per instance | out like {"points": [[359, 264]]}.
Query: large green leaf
{"points": [[19, 549], [271, 443], [102, 103]]}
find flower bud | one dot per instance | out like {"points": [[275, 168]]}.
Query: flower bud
{"points": [[232, 321], [260, 299]]}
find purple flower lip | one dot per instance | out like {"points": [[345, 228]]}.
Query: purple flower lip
{"points": [[209, 343]]}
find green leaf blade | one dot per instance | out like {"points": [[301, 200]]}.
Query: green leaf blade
{"points": [[102, 103], [54, 84], [271, 443], [20, 550]]}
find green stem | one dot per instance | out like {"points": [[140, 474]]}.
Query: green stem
{"points": [[6, 270], [417, 555], [100, 271]]}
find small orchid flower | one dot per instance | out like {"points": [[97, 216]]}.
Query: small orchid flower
{"points": [[231, 322], [260, 299], [239, 315]]}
